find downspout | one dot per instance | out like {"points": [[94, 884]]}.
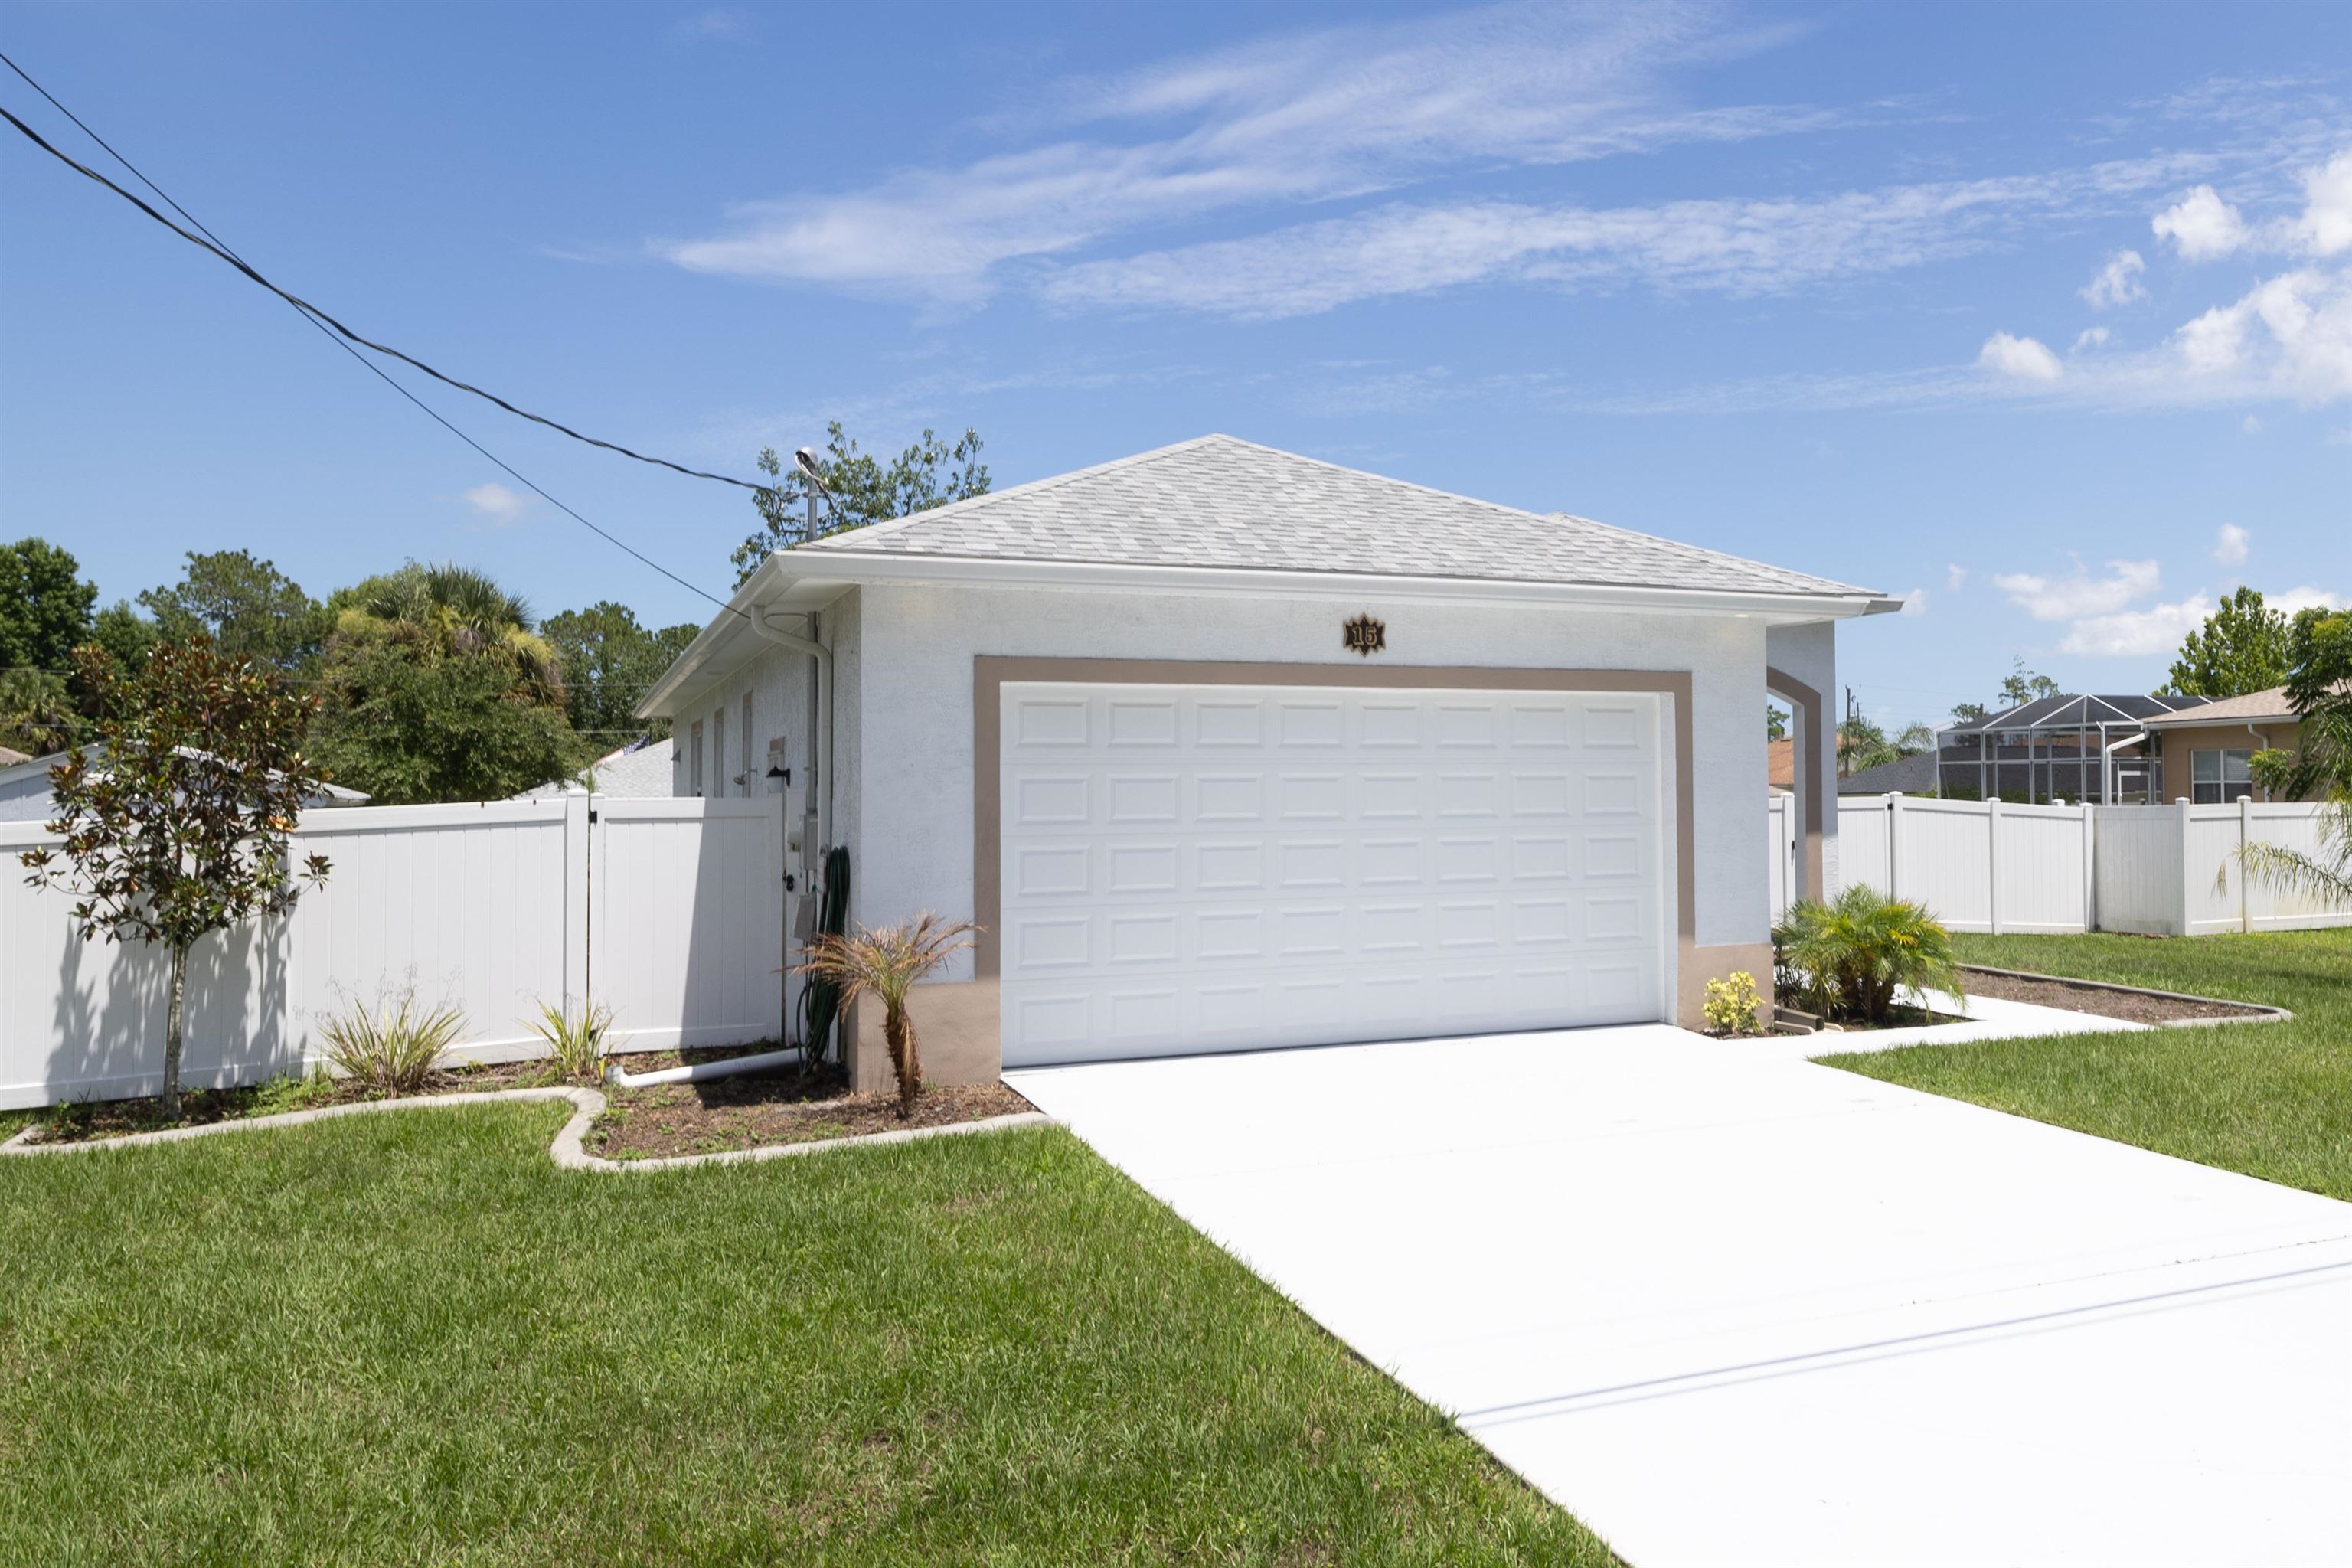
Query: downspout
{"points": [[2108, 753], [2262, 743]]}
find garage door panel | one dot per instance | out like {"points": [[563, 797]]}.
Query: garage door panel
{"points": [[1140, 723], [1213, 869], [1224, 724]]}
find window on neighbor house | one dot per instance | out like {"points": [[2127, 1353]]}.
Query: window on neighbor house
{"points": [[746, 778], [2217, 778], [693, 761]]}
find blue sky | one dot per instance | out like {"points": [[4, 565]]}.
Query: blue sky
{"points": [[2041, 314]]}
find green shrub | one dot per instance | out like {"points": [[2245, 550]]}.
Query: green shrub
{"points": [[577, 1046], [393, 1047], [1849, 959], [1732, 1004]]}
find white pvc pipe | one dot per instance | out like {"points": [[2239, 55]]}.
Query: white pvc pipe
{"points": [[699, 1072]]}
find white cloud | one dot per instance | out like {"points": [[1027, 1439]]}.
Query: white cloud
{"points": [[2304, 350], [2090, 338], [2072, 598], [2026, 359], [1743, 245], [2117, 283], [1915, 602], [1954, 576], [2201, 225], [2135, 633], [2305, 597], [2326, 226], [2251, 424], [1297, 118], [2230, 545], [497, 506]]}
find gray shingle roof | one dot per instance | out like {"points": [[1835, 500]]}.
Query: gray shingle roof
{"points": [[1220, 502], [638, 771]]}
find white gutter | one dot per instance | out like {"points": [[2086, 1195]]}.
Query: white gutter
{"points": [[902, 566]]}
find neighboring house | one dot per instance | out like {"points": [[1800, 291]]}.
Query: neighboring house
{"points": [[642, 769], [2077, 748], [1914, 774], [9, 759], [2207, 750], [25, 788], [1780, 765], [1225, 748]]}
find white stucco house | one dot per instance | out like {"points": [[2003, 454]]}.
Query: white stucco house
{"points": [[1225, 748]]}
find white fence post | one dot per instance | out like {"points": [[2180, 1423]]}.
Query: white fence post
{"points": [[2245, 837], [579, 813], [1894, 841], [1992, 863], [2181, 913], [2090, 866]]}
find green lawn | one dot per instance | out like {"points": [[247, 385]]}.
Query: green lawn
{"points": [[411, 1339], [2274, 1100]]}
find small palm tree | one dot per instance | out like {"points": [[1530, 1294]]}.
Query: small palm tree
{"points": [[1850, 957], [884, 964]]}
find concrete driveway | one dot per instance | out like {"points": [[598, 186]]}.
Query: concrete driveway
{"points": [[1730, 1308]]}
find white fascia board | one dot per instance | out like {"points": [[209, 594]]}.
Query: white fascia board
{"points": [[1221, 581], [729, 640]]}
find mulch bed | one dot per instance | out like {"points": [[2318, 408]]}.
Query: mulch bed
{"points": [[90, 1120], [638, 1123], [788, 1108], [2135, 1006]]}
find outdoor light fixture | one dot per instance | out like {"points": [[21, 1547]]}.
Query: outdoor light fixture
{"points": [[805, 460]]}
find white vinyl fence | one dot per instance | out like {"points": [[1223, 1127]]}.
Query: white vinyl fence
{"points": [[669, 912], [2181, 876], [1988, 866]]}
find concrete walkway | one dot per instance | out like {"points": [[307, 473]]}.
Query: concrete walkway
{"points": [[1731, 1307]]}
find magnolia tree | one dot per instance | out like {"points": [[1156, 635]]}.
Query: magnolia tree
{"points": [[176, 821]]}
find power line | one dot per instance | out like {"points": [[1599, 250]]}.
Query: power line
{"points": [[323, 321], [230, 256]]}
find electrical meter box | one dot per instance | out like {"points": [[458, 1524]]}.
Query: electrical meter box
{"points": [[779, 775]]}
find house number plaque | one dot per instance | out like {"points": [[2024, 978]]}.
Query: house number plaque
{"points": [[1365, 636]]}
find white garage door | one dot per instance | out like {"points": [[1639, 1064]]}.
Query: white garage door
{"points": [[1215, 868]]}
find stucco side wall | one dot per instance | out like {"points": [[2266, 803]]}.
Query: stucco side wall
{"points": [[2178, 744], [779, 682], [778, 679], [914, 843]]}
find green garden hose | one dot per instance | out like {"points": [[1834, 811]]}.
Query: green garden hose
{"points": [[821, 999]]}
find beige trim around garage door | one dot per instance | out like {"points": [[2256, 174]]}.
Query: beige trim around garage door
{"points": [[990, 672]]}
